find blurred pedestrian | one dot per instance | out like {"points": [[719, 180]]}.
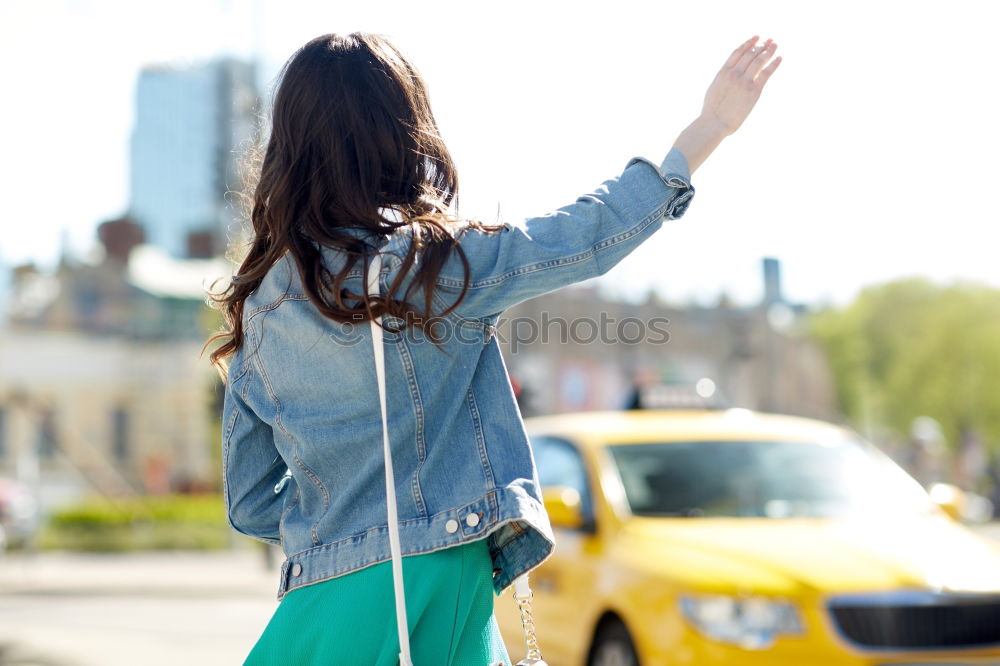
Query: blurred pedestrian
{"points": [[643, 379], [354, 166]]}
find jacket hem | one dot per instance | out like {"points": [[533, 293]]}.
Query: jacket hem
{"points": [[515, 523]]}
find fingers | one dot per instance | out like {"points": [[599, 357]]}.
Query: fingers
{"points": [[740, 51], [748, 59], [751, 58], [768, 71], [747, 56]]}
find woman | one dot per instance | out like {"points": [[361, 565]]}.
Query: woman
{"points": [[354, 165]]}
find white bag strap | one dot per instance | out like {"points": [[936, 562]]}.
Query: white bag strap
{"points": [[390, 484], [522, 591]]}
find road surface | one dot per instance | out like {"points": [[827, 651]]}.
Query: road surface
{"points": [[145, 609], [148, 609]]}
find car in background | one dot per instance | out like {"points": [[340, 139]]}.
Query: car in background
{"points": [[704, 537]]}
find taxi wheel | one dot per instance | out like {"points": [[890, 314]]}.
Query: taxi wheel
{"points": [[613, 647]]}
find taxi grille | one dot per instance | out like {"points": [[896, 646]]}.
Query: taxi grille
{"points": [[918, 620]]}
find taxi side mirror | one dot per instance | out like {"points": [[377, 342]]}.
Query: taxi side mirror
{"points": [[950, 499], [563, 506]]}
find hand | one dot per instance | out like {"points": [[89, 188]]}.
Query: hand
{"points": [[738, 85]]}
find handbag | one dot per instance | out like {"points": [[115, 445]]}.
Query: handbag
{"points": [[522, 591]]}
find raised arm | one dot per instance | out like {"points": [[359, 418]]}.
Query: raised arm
{"points": [[578, 241], [588, 237], [729, 100]]}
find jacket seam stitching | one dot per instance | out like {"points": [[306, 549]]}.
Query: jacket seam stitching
{"points": [[226, 494], [231, 380], [562, 261], [465, 322], [294, 441], [480, 439], [423, 520], [291, 505], [227, 450], [285, 296], [492, 530], [418, 407]]}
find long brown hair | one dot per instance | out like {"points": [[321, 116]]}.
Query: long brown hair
{"points": [[352, 133]]}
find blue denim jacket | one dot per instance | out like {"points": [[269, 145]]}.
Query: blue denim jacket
{"points": [[301, 438]]}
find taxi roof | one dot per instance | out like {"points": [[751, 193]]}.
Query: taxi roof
{"points": [[598, 428]]}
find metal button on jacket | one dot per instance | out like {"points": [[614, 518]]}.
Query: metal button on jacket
{"points": [[451, 526], [297, 569], [472, 519]]}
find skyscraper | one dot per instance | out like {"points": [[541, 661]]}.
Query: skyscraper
{"points": [[189, 126]]}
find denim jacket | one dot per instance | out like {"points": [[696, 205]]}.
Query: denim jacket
{"points": [[301, 437]]}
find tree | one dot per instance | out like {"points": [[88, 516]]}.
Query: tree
{"points": [[912, 348]]}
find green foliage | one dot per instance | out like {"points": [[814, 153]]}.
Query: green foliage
{"points": [[911, 348], [140, 536], [160, 523], [160, 509]]}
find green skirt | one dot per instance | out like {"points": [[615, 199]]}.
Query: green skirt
{"points": [[351, 620]]}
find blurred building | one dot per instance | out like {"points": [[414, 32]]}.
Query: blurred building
{"points": [[190, 124], [102, 387], [5, 277], [586, 352]]}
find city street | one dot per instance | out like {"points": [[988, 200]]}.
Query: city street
{"points": [[154, 609], [760, 419], [146, 609]]}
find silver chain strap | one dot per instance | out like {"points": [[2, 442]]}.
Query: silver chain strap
{"points": [[534, 657]]}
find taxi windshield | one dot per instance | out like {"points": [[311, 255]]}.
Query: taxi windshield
{"points": [[764, 479]]}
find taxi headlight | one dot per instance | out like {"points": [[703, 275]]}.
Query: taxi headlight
{"points": [[750, 622]]}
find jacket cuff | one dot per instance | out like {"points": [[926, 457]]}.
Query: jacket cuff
{"points": [[676, 163], [675, 173]]}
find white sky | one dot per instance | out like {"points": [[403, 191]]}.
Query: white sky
{"points": [[871, 155]]}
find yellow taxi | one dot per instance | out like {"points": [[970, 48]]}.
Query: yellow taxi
{"points": [[734, 537]]}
